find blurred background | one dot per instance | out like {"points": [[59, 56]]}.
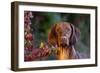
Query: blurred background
{"points": [[41, 22]]}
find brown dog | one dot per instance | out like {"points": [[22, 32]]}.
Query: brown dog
{"points": [[64, 36]]}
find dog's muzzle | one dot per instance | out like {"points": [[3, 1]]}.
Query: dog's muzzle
{"points": [[64, 41]]}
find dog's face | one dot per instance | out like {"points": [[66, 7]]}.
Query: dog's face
{"points": [[63, 34]]}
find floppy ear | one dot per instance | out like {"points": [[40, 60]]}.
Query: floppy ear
{"points": [[52, 37], [77, 33], [74, 35]]}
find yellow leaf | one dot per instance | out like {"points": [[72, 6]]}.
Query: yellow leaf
{"points": [[42, 45]]}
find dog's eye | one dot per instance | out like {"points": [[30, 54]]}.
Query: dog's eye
{"points": [[67, 30], [59, 31]]}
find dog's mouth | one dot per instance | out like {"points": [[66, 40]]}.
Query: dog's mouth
{"points": [[64, 45], [64, 42]]}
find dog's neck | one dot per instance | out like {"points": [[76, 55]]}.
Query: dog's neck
{"points": [[66, 53]]}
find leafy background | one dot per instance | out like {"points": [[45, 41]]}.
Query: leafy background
{"points": [[42, 22]]}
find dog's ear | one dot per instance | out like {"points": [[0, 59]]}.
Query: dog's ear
{"points": [[52, 37], [75, 34]]}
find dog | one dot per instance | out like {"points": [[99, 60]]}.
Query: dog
{"points": [[63, 36]]}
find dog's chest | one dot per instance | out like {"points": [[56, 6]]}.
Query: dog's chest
{"points": [[63, 54]]}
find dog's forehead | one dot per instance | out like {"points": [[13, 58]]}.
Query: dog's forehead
{"points": [[64, 25]]}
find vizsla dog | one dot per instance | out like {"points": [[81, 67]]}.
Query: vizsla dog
{"points": [[63, 36]]}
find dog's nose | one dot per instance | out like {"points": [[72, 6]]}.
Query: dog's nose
{"points": [[64, 39]]}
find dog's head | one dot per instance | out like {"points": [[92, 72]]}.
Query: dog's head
{"points": [[63, 34]]}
